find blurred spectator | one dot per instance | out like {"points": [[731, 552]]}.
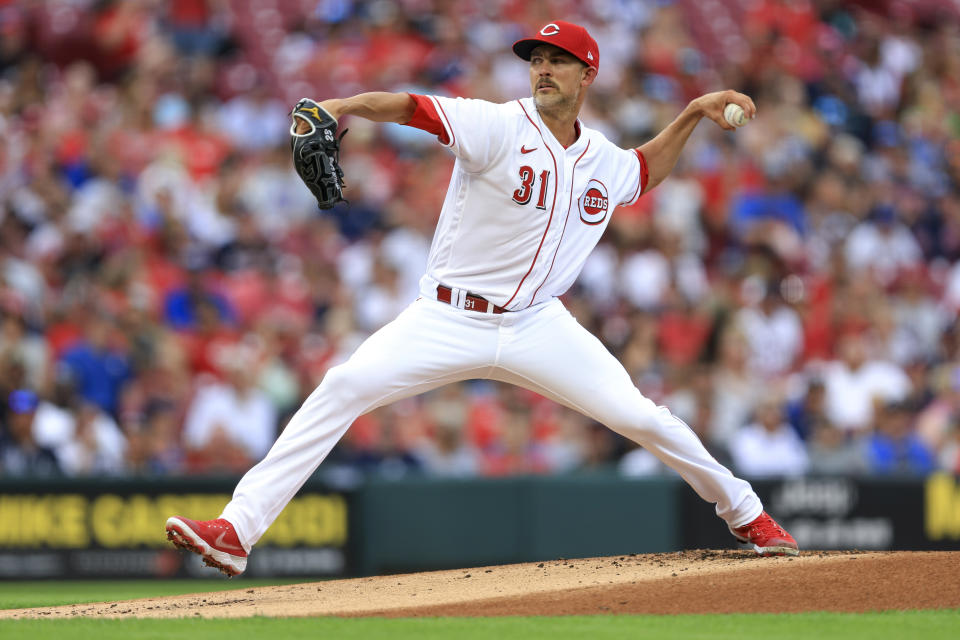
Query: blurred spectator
{"points": [[831, 451], [97, 447], [183, 306], [769, 446], [881, 247], [385, 442], [649, 278], [855, 383], [771, 215], [517, 452], [20, 455], [384, 300], [835, 452], [677, 212], [563, 435], [736, 387], [203, 343], [120, 30], [949, 457], [276, 377], [86, 440], [692, 400], [448, 453], [937, 423], [55, 424], [601, 447], [230, 425], [258, 120], [155, 447], [773, 331], [198, 27], [808, 413], [27, 348], [683, 332], [98, 363], [894, 448], [917, 313]]}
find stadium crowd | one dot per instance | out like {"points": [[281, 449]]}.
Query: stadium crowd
{"points": [[169, 292]]}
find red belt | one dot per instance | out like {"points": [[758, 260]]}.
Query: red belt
{"points": [[470, 302]]}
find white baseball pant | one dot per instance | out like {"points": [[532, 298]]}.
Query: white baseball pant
{"points": [[542, 348]]}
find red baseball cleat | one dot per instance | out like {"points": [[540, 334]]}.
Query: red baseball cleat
{"points": [[767, 537], [215, 540]]}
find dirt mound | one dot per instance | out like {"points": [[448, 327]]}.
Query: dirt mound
{"points": [[700, 581]]}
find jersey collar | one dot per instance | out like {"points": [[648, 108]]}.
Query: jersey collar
{"points": [[577, 145]]}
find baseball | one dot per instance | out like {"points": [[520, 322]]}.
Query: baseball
{"points": [[733, 113]]}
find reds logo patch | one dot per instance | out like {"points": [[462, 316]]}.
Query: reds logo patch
{"points": [[550, 30], [594, 203]]}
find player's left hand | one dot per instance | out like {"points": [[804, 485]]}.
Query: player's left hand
{"points": [[711, 106], [316, 151]]}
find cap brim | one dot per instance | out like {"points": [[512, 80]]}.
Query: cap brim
{"points": [[524, 48]]}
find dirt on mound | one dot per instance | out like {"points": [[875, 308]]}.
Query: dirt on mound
{"points": [[702, 581]]}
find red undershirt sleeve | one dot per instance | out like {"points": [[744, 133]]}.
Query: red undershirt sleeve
{"points": [[426, 118]]}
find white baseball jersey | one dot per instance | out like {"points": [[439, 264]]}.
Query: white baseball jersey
{"points": [[522, 212]]}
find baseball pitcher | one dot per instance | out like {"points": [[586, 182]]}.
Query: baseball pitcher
{"points": [[532, 191]]}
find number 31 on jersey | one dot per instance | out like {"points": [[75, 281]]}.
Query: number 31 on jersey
{"points": [[524, 193]]}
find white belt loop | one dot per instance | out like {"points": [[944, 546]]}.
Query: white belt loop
{"points": [[458, 297]]}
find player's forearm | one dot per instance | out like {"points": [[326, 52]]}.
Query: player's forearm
{"points": [[662, 152], [378, 106]]}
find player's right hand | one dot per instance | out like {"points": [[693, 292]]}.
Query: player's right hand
{"points": [[711, 106]]}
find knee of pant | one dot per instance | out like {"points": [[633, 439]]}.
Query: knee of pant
{"points": [[642, 417], [340, 383]]}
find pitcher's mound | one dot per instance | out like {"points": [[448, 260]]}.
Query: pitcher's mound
{"points": [[701, 581]]}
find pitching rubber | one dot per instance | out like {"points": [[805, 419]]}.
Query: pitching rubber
{"points": [[182, 536]]}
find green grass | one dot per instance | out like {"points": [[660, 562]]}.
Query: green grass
{"points": [[40, 593], [929, 625]]}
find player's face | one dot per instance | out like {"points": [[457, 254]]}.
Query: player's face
{"points": [[556, 77]]}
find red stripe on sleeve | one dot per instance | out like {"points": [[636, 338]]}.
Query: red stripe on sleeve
{"points": [[449, 127], [426, 118], [642, 181], [644, 173]]}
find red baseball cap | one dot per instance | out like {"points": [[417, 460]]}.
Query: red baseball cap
{"points": [[570, 37]]}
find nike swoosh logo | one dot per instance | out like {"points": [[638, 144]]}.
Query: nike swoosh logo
{"points": [[525, 150], [226, 545]]}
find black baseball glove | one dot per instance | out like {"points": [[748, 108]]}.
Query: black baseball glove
{"points": [[316, 152]]}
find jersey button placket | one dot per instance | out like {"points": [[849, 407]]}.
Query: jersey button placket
{"points": [[553, 214], [559, 216]]}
